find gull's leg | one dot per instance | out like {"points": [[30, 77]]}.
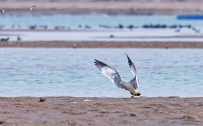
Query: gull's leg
{"points": [[132, 95]]}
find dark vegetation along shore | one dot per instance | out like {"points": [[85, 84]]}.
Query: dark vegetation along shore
{"points": [[68, 44]]}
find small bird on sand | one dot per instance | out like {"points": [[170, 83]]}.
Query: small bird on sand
{"points": [[2, 11], [132, 86], [5, 39], [18, 38], [31, 8]]}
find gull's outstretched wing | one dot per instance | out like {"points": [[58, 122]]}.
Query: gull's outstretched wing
{"points": [[134, 81], [110, 72], [132, 67]]}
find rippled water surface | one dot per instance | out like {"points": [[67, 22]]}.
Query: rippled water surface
{"points": [[93, 20], [71, 72], [95, 27]]}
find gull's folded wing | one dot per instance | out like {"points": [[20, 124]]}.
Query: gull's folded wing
{"points": [[110, 72]]}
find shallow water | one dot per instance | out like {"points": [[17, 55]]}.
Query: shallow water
{"points": [[71, 72], [95, 27], [144, 35], [93, 20]]}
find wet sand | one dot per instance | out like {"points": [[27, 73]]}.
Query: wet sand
{"points": [[103, 6], [73, 111], [72, 44]]}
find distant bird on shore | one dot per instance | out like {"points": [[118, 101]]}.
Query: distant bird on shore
{"points": [[195, 30], [4, 11], [5, 39], [111, 36], [18, 38], [31, 8], [33, 27], [177, 30], [132, 86]]}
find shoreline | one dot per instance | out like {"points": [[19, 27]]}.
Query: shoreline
{"points": [[97, 44], [76, 111], [150, 7]]}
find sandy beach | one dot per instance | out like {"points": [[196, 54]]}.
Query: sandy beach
{"points": [[73, 111], [73, 44], [103, 6]]}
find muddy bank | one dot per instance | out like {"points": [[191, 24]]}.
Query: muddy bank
{"points": [[80, 111], [103, 6], [68, 44]]}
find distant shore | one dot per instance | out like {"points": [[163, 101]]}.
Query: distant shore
{"points": [[103, 7], [73, 44], [78, 111]]}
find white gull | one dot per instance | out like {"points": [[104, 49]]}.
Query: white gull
{"points": [[132, 86]]}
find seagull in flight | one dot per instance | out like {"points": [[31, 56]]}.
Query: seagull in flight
{"points": [[132, 86], [31, 8]]}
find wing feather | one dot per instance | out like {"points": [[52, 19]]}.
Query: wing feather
{"points": [[134, 81], [110, 72]]}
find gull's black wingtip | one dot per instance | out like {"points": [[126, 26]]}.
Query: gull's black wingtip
{"points": [[129, 60], [127, 55], [95, 60]]}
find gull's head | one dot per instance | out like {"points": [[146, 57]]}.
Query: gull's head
{"points": [[138, 94]]}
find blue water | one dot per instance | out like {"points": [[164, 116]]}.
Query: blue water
{"points": [[90, 28], [94, 20], [71, 72]]}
